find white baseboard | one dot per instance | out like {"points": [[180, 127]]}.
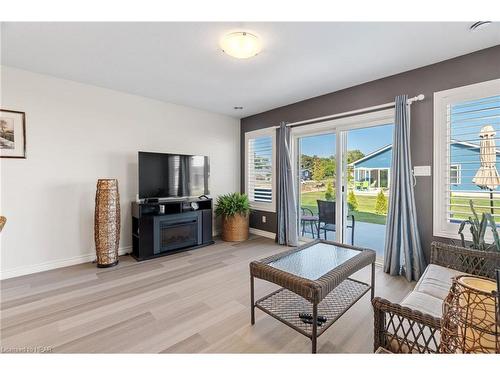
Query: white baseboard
{"points": [[46, 266], [51, 265], [263, 233]]}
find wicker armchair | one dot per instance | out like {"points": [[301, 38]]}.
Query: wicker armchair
{"points": [[404, 330]]}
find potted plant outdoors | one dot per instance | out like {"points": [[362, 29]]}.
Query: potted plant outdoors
{"points": [[478, 229], [234, 210]]}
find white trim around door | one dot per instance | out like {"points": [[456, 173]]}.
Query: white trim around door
{"points": [[339, 127]]}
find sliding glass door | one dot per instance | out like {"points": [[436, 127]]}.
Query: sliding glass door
{"points": [[367, 164], [317, 185], [343, 179]]}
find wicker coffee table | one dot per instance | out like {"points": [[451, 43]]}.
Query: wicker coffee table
{"points": [[315, 280]]}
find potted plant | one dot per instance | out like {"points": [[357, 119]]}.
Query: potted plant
{"points": [[233, 209], [478, 229]]}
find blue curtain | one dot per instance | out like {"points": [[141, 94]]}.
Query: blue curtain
{"points": [[287, 204], [403, 252]]}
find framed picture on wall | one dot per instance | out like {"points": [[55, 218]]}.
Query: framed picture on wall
{"points": [[12, 134]]}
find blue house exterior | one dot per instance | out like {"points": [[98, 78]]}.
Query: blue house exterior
{"points": [[372, 172], [464, 164]]}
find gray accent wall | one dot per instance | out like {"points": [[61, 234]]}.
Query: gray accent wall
{"points": [[464, 70]]}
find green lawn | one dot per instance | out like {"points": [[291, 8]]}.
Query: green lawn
{"points": [[366, 206], [480, 205]]}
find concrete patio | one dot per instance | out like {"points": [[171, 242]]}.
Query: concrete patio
{"points": [[367, 235]]}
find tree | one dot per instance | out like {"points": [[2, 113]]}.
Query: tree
{"points": [[318, 172], [353, 155], [307, 161], [352, 201], [381, 204], [329, 193], [311, 163], [329, 166], [3, 129]]}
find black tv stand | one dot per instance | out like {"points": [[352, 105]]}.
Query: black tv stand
{"points": [[167, 227]]}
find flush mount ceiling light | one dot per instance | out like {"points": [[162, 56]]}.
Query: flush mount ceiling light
{"points": [[241, 44], [479, 25]]}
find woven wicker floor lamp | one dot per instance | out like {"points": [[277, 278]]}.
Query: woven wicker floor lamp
{"points": [[470, 320], [107, 222]]}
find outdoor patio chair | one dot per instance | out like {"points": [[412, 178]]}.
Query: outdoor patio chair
{"points": [[326, 219], [362, 185], [307, 217]]}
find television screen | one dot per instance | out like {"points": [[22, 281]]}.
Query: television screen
{"points": [[172, 175]]}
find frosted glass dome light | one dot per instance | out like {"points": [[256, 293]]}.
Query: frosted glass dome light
{"points": [[241, 44]]}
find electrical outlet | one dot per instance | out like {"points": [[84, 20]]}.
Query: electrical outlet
{"points": [[264, 219]]}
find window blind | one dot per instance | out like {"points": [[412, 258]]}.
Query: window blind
{"points": [[472, 138], [260, 169]]}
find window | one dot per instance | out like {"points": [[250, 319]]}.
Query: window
{"points": [[361, 174], [373, 178], [260, 169], [384, 178], [455, 174], [466, 155]]}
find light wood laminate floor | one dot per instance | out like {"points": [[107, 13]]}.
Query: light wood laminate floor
{"points": [[190, 302]]}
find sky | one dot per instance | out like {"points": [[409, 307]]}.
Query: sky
{"points": [[367, 140]]}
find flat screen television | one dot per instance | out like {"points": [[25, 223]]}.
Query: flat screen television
{"points": [[172, 175]]}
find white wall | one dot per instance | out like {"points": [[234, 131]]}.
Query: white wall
{"points": [[76, 134]]}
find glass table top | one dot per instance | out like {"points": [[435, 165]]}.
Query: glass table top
{"points": [[314, 261]]}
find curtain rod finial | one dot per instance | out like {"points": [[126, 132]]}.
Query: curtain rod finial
{"points": [[420, 97]]}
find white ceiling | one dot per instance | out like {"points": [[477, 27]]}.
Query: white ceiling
{"points": [[182, 63]]}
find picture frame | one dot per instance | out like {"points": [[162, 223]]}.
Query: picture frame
{"points": [[12, 134]]}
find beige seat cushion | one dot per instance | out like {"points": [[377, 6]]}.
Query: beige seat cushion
{"points": [[436, 281], [427, 297], [424, 302]]}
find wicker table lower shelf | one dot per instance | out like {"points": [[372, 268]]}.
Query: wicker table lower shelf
{"points": [[285, 305], [315, 280]]}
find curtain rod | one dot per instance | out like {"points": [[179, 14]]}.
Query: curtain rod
{"points": [[417, 98]]}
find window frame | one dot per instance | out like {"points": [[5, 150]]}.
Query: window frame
{"points": [[388, 178], [459, 174], [337, 126], [442, 100], [266, 132]]}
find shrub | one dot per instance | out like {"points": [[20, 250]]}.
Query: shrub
{"points": [[329, 193], [352, 201], [318, 172], [232, 204], [381, 204]]}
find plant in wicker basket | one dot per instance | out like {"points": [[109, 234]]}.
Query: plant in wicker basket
{"points": [[233, 209]]}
